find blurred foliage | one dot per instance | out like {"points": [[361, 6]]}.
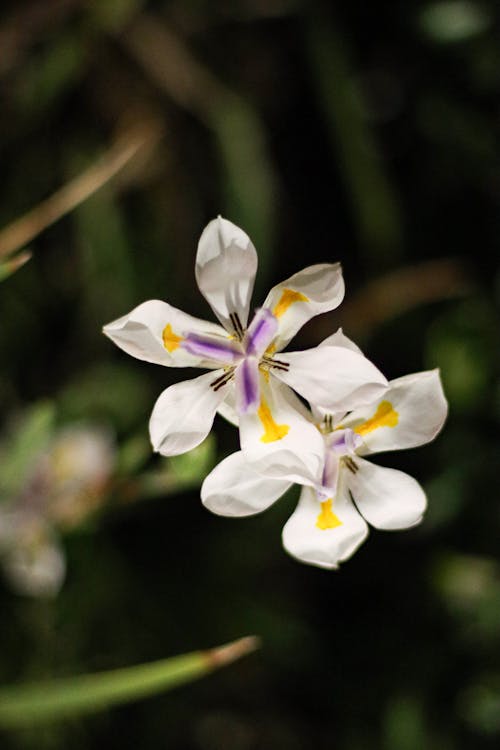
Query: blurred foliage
{"points": [[365, 133]]}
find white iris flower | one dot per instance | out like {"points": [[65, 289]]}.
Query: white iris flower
{"points": [[247, 381], [330, 521]]}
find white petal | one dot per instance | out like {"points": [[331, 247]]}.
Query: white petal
{"points": [[154, 331], [234, 488], [326, 547], [278, 440], [184, 413], [340, 339], [227, 408], [336, 339], [411, 413], [332, 377], [226, 264], [316, 289], [387, 498]]}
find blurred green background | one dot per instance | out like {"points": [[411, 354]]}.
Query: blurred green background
{"points": [[351, 131]]}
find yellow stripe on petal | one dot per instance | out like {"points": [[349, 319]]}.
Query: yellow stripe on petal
{"points": [[327, 518], [272, 431], [385, 416], [288, 298], [171, 341]]}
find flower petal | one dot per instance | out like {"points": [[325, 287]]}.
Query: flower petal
{"points": [[387, 498], [340, 339], [234, 488], [247, 383], [336, 339], [154, 332], [278, 440], [227, 408], [410, 413], [316, 289], [226, 264], [184, 413], [324, 534], [332, 377]]}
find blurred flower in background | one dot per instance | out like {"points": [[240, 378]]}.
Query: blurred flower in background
{"points": [[61, 485]]}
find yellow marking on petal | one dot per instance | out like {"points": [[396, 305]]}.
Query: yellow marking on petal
{"points": [[265, 373], [272, 431], [326, 518], [288, 298], [271, 349], [385, 416], [171, 341]]}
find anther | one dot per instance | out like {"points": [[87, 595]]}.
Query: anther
{"points": [[236, 323], [351, 465], [276, 363], [222, 379]]}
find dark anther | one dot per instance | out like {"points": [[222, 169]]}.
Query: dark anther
{"points": [[221, 380], [236, 323], [351, 465]]}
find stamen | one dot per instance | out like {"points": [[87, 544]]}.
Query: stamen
{"points": [[328, 423], [276, 363], [351, 465], [222, 379], [236, 323]]}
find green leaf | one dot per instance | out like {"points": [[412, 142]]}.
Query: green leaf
{"points": [[19, 453], [24, 705]]}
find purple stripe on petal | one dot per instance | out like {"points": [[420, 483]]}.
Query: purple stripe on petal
{"points": [[330, 475], [261, 332], [247, 380], [211, 347]]}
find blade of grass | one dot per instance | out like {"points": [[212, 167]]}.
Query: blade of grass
{"points": [[24, 705], [8, 267], [20, 232]]}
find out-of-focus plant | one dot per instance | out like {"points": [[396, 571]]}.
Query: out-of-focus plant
{"points": [[52, 479], [55, 479], [22, 706], [11, 265]]}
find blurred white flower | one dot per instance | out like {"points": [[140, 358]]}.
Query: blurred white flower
{"points": [[65, 484]]}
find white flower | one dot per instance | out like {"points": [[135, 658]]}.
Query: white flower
{"points": [[330, 521], [246, 378]]}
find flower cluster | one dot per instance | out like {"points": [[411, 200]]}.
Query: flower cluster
{"points": [[353, 410]]}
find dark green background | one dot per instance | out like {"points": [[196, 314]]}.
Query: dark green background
{"points": [[352, 131]]}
